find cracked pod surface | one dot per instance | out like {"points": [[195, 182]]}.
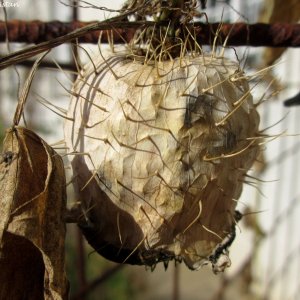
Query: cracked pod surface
{"points": [[162, 151]]}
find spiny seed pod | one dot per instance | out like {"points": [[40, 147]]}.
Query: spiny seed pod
{"points": [[160, 154]]}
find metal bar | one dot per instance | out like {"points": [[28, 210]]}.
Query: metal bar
{"points": [[50, 65], [36, 32], [240, 34], [176, 283]]}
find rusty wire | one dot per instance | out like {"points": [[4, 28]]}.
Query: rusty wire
{"points": [[240, 34]]}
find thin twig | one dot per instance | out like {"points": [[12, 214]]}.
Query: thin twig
{"points": [[96, 282], [81, 261]]}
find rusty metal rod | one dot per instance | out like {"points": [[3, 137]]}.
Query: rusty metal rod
{"points": [[36, 32], [240, 34], [50, 66]]}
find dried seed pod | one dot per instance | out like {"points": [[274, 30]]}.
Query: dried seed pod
{"points": [[32, 227], [162, 150]]}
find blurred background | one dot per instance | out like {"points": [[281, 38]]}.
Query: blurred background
{"points": [[266, 253]]}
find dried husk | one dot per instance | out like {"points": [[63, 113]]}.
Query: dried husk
{"points": [[160, 153], [32, 227]]}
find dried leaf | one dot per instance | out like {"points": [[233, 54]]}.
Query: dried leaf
{"points": [[278, 11], [32, 227]]}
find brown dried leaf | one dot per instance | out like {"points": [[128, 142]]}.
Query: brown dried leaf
{"points": [[278, 11], [32, 227]]}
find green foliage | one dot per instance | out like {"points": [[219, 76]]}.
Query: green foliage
{"points": [[117, 287]]}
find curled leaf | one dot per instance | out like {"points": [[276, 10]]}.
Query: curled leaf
{"points": [[32, 227]]}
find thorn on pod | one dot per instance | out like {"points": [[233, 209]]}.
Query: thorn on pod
{"points": [[166, 264]]}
